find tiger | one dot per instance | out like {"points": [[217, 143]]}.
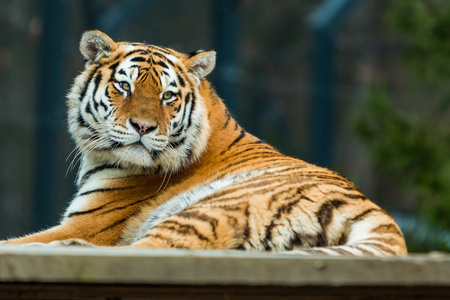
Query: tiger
{"points": [[163, 164]]}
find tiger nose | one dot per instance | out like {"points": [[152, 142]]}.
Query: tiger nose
{"points": [[142, 127]]}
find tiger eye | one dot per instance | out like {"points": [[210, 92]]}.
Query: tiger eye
{"points": [[125, 85], [167, 95]]}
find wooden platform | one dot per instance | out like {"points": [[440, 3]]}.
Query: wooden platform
{"points": [[113, 273]]}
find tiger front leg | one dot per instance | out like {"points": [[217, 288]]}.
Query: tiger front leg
{"points": [[58, 235], [70, 233]]}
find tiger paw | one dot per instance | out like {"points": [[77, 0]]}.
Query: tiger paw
{"points": [[61, 243], [71, 242]]}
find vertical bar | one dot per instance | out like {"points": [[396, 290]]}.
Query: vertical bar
{"points": [[321, 116], [49, 116], [225, 44], [324, 22]]}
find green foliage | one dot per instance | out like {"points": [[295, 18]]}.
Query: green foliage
{"points": [[425, 26], [415, 151]]}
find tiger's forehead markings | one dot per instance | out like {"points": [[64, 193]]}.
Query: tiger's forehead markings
{"points": [[131, 63], [164, 54], [135, 51]]}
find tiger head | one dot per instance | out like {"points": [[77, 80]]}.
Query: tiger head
{"points": [[139, 105]]}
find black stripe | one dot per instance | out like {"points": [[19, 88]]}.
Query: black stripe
{"points": [[257, 188], [79, 213], [282, 210], [116, 223], [228, 118], [177, 143], [387, 228], [321, 240], [183, 229], [260, 142], [187, 98], [160, 237], [107, 92], [95, 106], [202, 217], [143, 76], [189, 152], [142, 51], [162, 64], [105, 107], [163, 50], [285, 208], [190, 111], [268, 237], [113, 69], [180, 80], [88, 110], [105, 190], [240, 137], [353, 196], [365, 213], [116, 145], [109, 114], [257, 155], [91, 75], [156, 153], [247, 229], [335, 177], [296, 241], [159, 55], [98, 169], [126, 206], [155, 77], [138, 58], [178, 132], [82, 122], [275, 161], [295, 192], [325, 212], [241, 154]]}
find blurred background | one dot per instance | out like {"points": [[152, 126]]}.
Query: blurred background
{"points": [[361, 87]]}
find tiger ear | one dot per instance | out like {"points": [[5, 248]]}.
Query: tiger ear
{"points": [[201, 63], [95, 44]]}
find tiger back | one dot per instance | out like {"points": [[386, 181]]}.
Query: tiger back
{"points": [[164, 165]]}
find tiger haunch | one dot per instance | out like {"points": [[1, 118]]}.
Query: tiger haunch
{"points": [[164, 165]]}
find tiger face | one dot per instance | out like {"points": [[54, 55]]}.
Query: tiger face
{"points": [[139, 105]]}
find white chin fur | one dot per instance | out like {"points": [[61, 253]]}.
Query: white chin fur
{"points": [[134, 154]]}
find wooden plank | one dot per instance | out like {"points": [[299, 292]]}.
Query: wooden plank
{"points": [[89, 273]]}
